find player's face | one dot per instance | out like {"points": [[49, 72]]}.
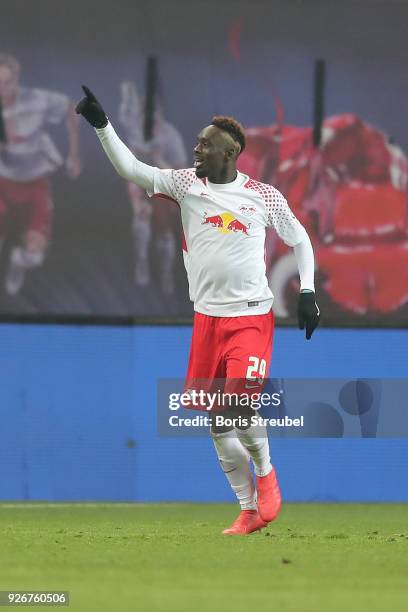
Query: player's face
{"points": [[210, 152], [8, 84]]}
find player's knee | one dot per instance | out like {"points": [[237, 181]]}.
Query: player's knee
{"points": [[241, 412], [218, 428], [221, 425], [35, 243]]}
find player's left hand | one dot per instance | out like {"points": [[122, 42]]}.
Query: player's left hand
{"points": [[91, 109], [73, 166], [308, 313]]}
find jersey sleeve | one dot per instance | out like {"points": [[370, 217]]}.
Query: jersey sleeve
{"points": [[173, 184], [282, 219]]}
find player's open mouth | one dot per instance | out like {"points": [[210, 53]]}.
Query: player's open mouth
{"points": [[198, 163]]}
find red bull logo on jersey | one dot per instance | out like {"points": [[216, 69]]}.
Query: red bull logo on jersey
{"points": [[248, 211], [226, 223]]}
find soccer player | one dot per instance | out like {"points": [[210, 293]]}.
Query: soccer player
{"points": [[224, 216], [165, 149], [27, 158]]}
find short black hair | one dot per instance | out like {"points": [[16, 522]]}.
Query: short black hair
{"points": [[233, 127]]}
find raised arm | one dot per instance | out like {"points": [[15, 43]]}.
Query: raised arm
{"points": [[123, 160], [73, 161]]}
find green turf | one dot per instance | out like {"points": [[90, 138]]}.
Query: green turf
{"points": [[171, 557]]}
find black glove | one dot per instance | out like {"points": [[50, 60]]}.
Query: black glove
{"points": [[308, 313], [90, 108]]}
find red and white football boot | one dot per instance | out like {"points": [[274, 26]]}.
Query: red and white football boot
{"points": [[246, 522], [269, 496]]}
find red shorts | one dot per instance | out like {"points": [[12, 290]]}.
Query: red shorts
{"points": [[231, 354], [29, 204]]}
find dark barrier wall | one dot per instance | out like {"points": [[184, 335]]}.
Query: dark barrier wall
{"points": [[78, 418], [105, 250]]}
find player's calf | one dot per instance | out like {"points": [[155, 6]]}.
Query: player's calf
{"points": [[21, 259]]}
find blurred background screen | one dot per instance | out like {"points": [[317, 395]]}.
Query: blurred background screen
{"points": [[320, 92]]}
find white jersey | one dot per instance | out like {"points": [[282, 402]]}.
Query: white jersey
{"points": [[224, 228], [29, 152]]}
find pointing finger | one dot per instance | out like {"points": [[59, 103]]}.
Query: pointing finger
{"points": [[89, 94]]}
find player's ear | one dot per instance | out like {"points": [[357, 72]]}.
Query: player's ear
{"points": [[235, 151], [230, 153]]}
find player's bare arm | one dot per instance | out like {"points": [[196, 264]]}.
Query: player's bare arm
{"points": [[73, 161]]}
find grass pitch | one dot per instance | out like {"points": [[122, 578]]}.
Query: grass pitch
{"points": [[171, 557]]}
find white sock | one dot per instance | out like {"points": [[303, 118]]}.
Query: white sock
{"points": [[255, 440], [234, 461], [26, 259]]}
